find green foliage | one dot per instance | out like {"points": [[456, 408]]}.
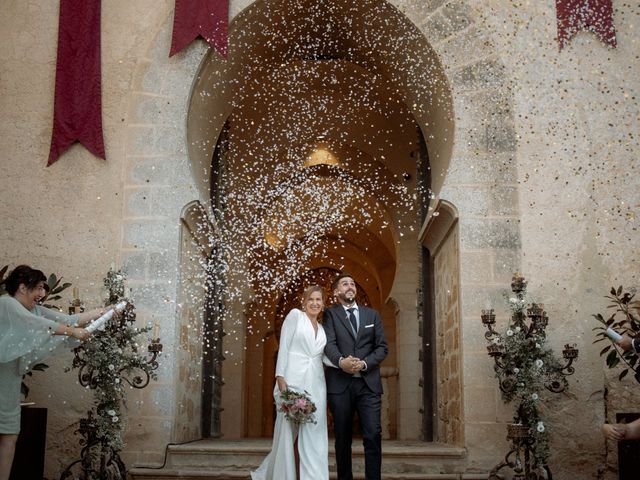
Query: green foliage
{"points": [[623, 319], [55, 289], [24, 388], [528, 368], [3, 280], [110, 362]]}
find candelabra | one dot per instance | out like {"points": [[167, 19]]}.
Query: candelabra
{"points": [[521, 350], [99, 459]]}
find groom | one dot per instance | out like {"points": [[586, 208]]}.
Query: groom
{"points": [[355, 342]]}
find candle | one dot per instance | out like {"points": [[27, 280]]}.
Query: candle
{"points": [[570, 352], [488, 317], [75, 292], [156, 331]]}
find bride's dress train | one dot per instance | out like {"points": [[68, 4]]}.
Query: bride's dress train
{"points": [[300, 363]]}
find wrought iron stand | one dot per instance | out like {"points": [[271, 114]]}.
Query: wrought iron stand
{"points": [[521, 459], [98, 460]]}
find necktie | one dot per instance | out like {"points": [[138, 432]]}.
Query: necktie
{"points": [[353, 319]]}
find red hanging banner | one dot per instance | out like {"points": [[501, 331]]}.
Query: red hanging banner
{"points": [[207, 18], [593, 15], [77, 112]]}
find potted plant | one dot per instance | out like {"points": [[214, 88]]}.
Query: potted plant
{"points": [[622, 320]]}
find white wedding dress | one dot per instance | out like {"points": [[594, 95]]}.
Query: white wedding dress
{"points": [[300, 363]]}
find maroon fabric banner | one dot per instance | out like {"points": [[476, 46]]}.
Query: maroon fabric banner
{"points": [[77, 112], [593, 15], [207, 18]]}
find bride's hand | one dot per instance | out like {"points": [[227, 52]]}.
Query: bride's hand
{"points": [[282, 384]]}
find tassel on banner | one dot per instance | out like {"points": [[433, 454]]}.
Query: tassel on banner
{"points": [[77, 112], [206, 18], [593, 15]]}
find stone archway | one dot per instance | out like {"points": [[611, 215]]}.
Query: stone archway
{"points": [[438, 81], [474, 168], [378, 78]]}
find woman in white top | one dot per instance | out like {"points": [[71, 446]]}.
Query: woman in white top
{"points": [[299, 367]]}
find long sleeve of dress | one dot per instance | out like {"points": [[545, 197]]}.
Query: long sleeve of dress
{"points": [[57, 316], [28, 336], [286, 335], [54, 344]]}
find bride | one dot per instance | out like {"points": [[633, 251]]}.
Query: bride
{"points": [[299, 367]]}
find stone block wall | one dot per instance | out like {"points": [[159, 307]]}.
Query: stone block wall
{"points": [[543, 175], [157, 184], [481, 182]]}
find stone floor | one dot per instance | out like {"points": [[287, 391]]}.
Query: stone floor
{"points": [[227, 460]]}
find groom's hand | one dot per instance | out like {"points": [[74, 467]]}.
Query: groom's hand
{"points": [[350, 364]]}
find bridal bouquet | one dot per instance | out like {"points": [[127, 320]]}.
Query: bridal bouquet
{"points": [[297, 407]]}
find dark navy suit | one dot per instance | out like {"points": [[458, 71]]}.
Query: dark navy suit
{"points": [[347, 394]]}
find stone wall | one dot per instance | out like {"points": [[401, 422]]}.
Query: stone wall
{"points": [[543, 174]]}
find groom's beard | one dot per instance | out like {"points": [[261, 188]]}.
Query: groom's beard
{"points": [[347, 298]]}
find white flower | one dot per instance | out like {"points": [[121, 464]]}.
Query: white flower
{"points": [[111, 412], [538, 345], [513, 300], [516, 370], [518, 329], [539, 363], [111, 367], [114, 419], [540, 427], [534, 396], [509, 333]]}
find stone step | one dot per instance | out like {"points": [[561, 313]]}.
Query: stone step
{"points": [[409, 457], [221, 460], [167, 474]]}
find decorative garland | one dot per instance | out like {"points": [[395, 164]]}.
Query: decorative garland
{"points": [[532, 365], [109, 361], [525, 367]]}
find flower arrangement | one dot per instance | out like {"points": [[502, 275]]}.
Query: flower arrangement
{"points": [[622, 302], [526, 366], [297, 407], [109, 363]]}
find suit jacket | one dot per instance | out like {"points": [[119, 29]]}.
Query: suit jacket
{"points": [[370, 346]]}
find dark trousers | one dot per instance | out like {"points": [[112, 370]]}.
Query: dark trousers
{"points": [[357, 398]]}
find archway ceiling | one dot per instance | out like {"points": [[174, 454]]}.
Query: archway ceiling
{"points": [[359, 75], [371, 35], [366, 256], [286, 111], [279, 117]]}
